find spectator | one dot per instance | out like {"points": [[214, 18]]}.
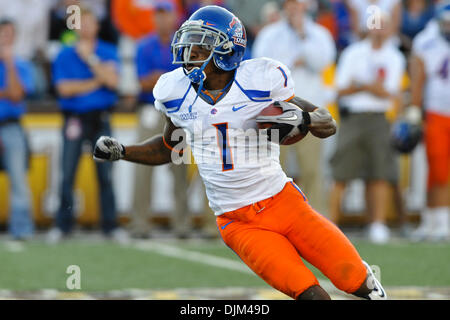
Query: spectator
{"points": [[270, 13], [368, 79], [31, 22], [153, 58], [415, 16], [362, 15], [15, 83], [430, 83], [86, 77], [59, 15], [297, 41], [32, 28]]}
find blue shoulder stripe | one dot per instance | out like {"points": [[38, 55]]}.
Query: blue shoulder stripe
{"points": [[173, 106], [172, 103], [255, 95]]}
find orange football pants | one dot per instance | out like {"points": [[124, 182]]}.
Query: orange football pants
{"points": [[437, 143], [273, 235]]}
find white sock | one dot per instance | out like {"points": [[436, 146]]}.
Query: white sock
{"points": [[440, 218], [426, 219]]}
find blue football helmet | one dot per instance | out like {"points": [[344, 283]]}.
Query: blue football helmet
{"points": [[215, 29], [405, 136]]}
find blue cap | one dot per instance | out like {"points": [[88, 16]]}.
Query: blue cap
{"points": [[164, 5]]}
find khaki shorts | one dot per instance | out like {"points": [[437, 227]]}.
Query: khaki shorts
{"points": [[363, 149]]}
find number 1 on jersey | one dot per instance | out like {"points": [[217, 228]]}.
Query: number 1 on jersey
{"points": [[224, 146]]}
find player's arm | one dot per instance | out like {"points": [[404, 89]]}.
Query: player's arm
{"points": [[300, 116], [321, 123], [413, 113], [154, 151], [157, 150]]}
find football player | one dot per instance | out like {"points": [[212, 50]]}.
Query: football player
{"points": [[430, 84], [265, 218]]}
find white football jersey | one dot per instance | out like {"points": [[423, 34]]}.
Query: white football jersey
{"points": [[236, 162], [434, 51]]}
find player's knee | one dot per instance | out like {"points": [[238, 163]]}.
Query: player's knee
{"points": [[314, 292]]}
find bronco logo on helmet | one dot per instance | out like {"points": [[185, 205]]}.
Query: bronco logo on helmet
{"points": [[239, 35]]}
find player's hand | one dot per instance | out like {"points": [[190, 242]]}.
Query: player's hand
{"points": [[290, 122], [322, 123], [413, 115], [108, 148]]}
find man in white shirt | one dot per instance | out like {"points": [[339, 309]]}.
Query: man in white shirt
{"points": [[306, 48], [369, 75]]}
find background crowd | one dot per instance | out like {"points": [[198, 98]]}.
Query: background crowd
{"points": [[115, 59]]}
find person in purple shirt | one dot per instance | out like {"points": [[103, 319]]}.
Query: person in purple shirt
{"points": [[15, 83]]}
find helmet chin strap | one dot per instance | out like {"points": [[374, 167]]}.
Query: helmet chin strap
{"points": [[198, 75]]}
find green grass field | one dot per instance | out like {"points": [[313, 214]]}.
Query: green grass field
{"points": [[106, 266]]}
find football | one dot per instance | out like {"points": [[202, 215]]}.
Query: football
{"points": [[273, 110]]}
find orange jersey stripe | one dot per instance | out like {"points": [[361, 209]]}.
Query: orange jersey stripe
{"points": [[289, 99]]}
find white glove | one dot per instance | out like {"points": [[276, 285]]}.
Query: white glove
{"points": [[413, 115], [108, 148]]}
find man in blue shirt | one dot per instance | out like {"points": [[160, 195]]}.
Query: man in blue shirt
{"points": [[15, 83], [153, 58], [86, 78]]}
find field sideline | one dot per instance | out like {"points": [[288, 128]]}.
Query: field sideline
{"points": [[194, 269]]}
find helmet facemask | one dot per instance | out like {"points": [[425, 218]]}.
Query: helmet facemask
{"points": [[191, 34]]}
